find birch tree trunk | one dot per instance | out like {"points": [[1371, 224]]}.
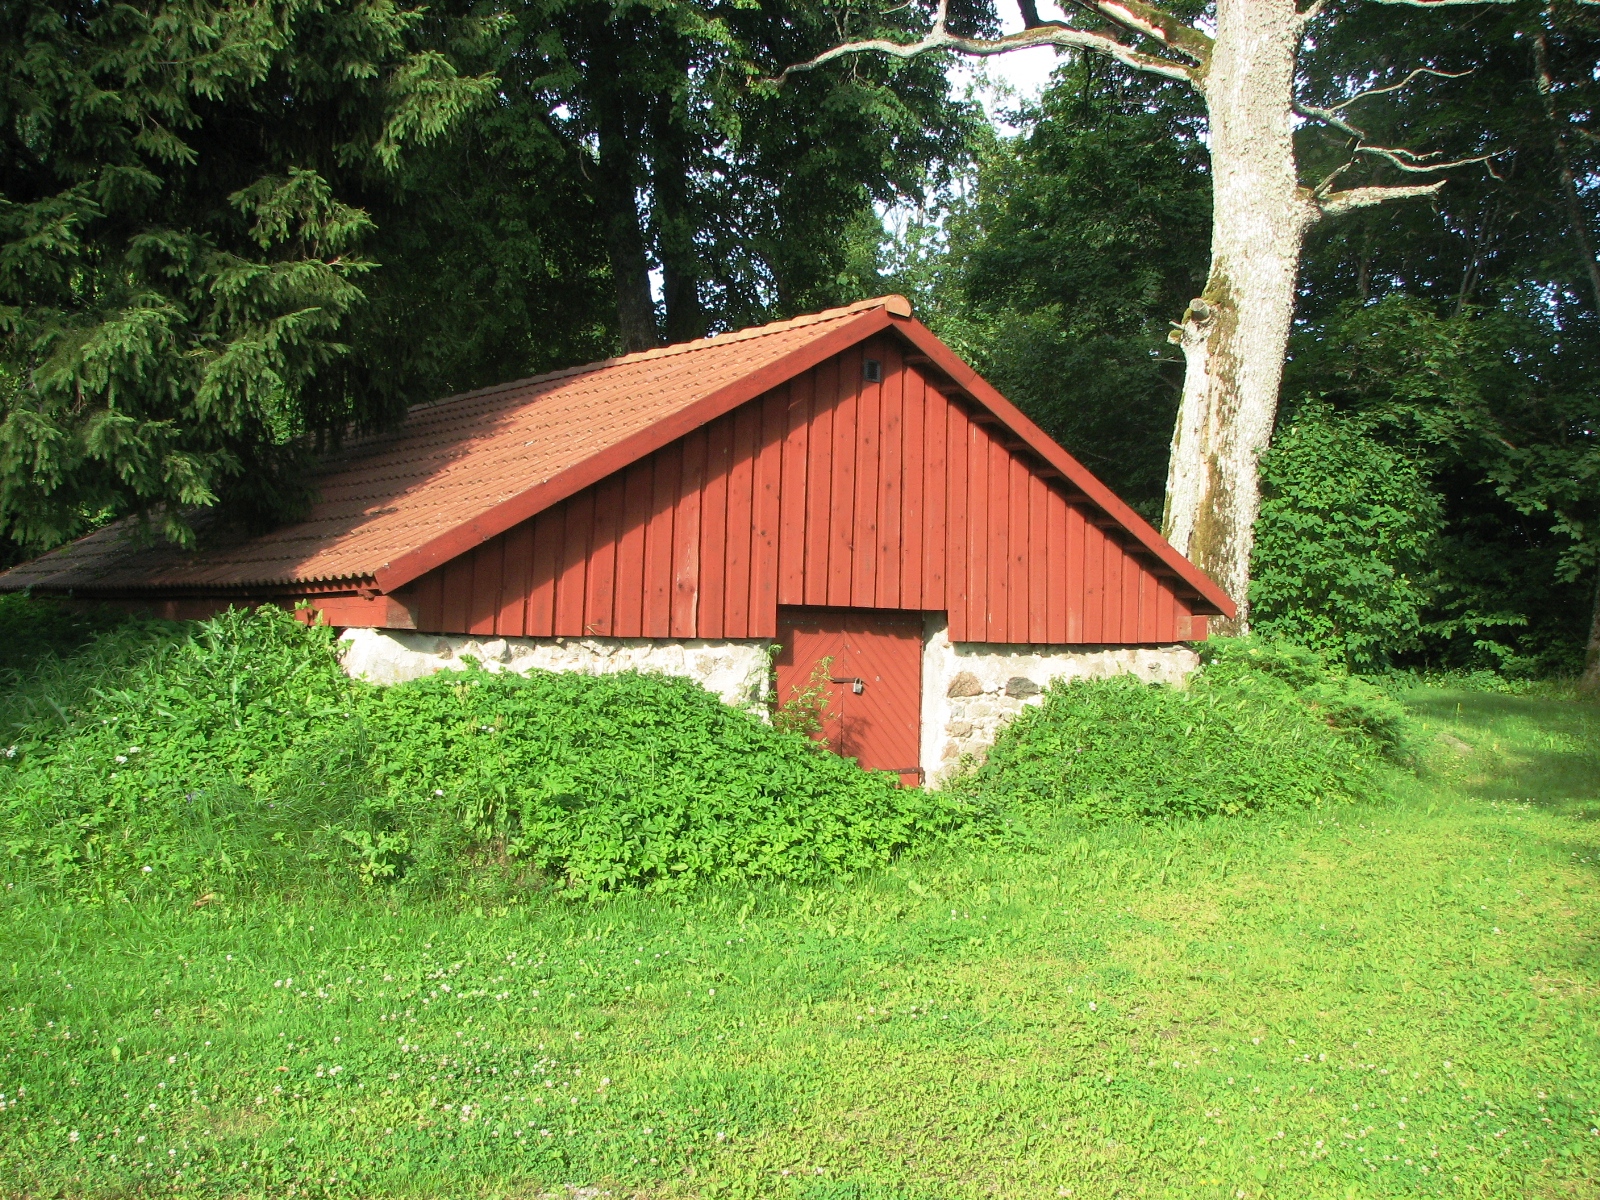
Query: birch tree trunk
{"points": [[1235, 335]]}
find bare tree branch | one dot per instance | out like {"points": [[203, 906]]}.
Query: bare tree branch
{"points": [[1367, 197], [1417, 164], [1046, 33], [1395, 87]]}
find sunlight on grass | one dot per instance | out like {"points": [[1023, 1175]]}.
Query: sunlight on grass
{"points": [[1354, 1002]]}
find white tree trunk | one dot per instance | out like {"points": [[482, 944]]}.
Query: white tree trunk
{"points": [[1235, 336]]}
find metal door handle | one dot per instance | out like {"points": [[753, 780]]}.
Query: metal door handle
{"points": [[857, 684]]}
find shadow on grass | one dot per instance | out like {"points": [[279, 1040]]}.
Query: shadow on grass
{"points": [[1538, 750]]}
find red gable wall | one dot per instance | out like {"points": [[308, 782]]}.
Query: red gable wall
{"points": [[826, 491]]}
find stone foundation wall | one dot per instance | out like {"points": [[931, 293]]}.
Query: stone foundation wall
{"points": [[970, 690], [736, 671]]}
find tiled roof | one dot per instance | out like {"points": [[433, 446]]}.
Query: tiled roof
{"points": [[448, 465]]}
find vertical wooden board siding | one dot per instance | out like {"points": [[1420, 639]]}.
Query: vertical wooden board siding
{"points": [[457, 594], [600, 587], [714, 535], [514, 575], [572, 578], [1112, 592], [686, 538], [958, 598], [430, 601], [1074, 565], [792, 497], [912, 564], [1147, 605], [1055, 566], [819, 484], [658, 543], [768, 515], [841, 513], [1128, 626], [638, 486], [1094, 573], [741, 521], [1166, 614], [890, 545], [485, 602], [999, 560], [829, 490], [935, 494], [869, 495], [547, 528], [1019, 582], [1038, 561]]}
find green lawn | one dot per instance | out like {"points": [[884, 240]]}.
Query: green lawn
{"points": [[1383, 1001]]}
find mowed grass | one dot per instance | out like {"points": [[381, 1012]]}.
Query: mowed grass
{"points": [[1390, 1000]]}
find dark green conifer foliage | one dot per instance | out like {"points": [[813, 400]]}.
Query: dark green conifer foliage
{"points": [[178, 253]]}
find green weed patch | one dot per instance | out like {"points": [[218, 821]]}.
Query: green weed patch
{"points": [[235, 753], [1261, 728]]}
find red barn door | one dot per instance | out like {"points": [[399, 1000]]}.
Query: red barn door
{"points": [[874, 682]]}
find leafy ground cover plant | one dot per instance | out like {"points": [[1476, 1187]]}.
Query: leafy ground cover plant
{"points": [[1260, 728], [235, 753]]}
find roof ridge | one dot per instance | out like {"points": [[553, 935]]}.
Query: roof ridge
{"points": [[894, 302]]}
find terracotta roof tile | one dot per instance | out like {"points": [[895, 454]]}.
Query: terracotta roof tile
{"points": [[451, 461]]}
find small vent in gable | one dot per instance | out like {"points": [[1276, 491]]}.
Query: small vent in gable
{"points": [[872, 370]]}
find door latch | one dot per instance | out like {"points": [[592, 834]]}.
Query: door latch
{"points": [[857, 684]]}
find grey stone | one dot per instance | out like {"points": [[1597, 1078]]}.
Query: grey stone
{"points": [[1019, 686], [965, 684], [496, 650]]}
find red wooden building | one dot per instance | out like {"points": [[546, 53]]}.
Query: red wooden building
{"points": [[836, 477]]}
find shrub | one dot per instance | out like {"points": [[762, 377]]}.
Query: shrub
{"points": [[237, 750], [1258, 729], [1347, 529]]}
